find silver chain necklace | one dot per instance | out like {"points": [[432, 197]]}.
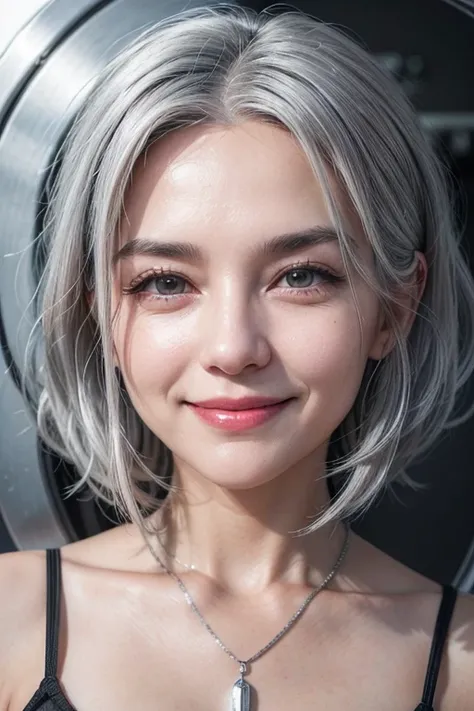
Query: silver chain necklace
{"points": [[241, 690]]}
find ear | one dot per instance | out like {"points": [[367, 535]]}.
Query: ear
{"points": [[405, 311]]}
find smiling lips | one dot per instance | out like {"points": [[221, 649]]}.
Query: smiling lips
{"points": [[238, 415]]}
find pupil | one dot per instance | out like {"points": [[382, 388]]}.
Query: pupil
{"points": [[168, 284], [300, 275]]}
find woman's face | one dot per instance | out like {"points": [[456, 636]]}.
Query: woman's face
{"points": [[239, 314]]}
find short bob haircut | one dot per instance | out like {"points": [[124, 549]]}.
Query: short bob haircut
{"points": [[224, 65]]}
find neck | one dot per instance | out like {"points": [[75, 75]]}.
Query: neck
{"points": [[244, 539]]}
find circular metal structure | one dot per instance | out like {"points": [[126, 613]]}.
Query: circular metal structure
{"points": [[46, 71]]}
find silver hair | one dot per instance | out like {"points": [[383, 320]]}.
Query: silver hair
{"points": [[224, 65]]}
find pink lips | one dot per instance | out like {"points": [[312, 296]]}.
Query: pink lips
{"points": [[238, 415]]}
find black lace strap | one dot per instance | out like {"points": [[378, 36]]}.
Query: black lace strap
{"points": [[53, 604], [443, 620]]}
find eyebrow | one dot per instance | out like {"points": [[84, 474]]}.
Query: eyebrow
{"points": [[277, 246]]}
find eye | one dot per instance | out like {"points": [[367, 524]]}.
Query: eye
{"points": [[168, 284], [303, 279], [306, 278]]}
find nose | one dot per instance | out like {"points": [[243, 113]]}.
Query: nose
{"points": [[232, 334]]}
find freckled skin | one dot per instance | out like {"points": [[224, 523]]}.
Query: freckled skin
{"points": [[235, 333]]}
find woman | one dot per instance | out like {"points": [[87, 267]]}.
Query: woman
{"points": [[254, 285]]}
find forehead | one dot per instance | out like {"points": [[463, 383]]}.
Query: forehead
{"points": [[226, 185]]}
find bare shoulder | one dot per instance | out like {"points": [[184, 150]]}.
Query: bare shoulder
{"points": [[119, 549], [410, 601], [22, 596], [22, 603], [23, 588], [459, 658], [455, 687]]}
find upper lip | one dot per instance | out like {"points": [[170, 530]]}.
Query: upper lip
{"points": [[243, 403]]}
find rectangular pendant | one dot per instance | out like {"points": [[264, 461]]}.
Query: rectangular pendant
{"points": [[241, 696]]}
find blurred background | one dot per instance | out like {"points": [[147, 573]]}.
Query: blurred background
{"points": [[50, 53]]}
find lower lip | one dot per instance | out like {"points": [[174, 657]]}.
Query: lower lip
{"points": [[238, 420]]}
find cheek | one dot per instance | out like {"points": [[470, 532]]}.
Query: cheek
{"points": [[326, 341], [328, 352], [322, 350], [154, 351]]}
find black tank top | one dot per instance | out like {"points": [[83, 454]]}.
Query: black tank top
{"points": [[50, 697]]}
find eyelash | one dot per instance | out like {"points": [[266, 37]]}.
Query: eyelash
{"points": [[144, 280]]}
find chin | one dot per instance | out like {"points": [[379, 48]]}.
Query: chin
{"points": [[240, 480], [239, 485], [228, 476], [246, 466]]}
